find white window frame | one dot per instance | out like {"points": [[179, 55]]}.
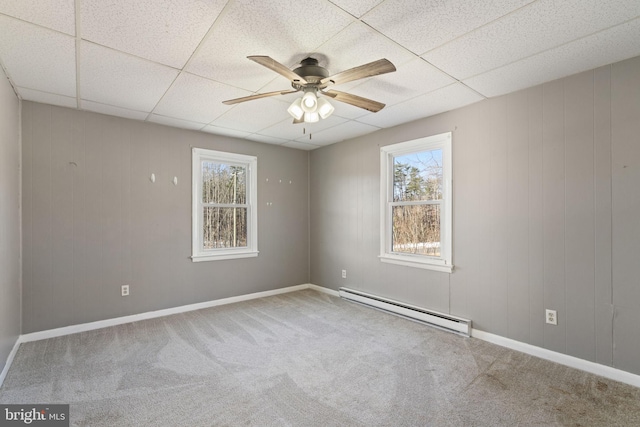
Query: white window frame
{"points": [[444, 262], [251, 164]]}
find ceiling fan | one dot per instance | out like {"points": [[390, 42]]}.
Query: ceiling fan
{"points": [[314, 80]]}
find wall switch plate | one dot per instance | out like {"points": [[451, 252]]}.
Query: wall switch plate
{"points": [[344, 274], [551, 317], [124, 290]]}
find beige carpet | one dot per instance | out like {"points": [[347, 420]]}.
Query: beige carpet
{"points": [[305, 359]]}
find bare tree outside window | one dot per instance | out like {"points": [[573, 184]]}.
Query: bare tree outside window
{"points": [[416, 203], [224, 201], [224, 210], [416, 206]]}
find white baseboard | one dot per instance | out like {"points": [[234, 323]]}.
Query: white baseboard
{"points": [[323, 290], [74, 329], [7, 364], [563, 359]]}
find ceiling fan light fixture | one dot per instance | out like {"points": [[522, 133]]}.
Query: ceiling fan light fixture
{"points": [[311, 117], [312, 79], [325, 109], [295, 109], [310, 102]]}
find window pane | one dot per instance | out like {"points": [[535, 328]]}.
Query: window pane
{"points": [[416, 229], [223, 183], [418, 176], [224, 228]]}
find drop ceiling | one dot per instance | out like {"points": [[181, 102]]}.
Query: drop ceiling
{"points": [[174, 61]]}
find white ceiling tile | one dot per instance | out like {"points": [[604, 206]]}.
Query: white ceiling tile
{"points": [[356, 45], [178, 123], [114, 78], [612, 45], [300, 145], [233, 67], [279, 83], [454, 96], [224, 131], [197, 99], [47, 98], [165, 31], [280, 29], [55, 14], [339, 133], [421, 25], [411, 79], [286, 128], [266, 139], [348, 111], [251, 116], [112, 111], [537, 27], [357, 7], [38, 58]]}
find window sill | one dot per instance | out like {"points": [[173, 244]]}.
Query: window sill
{"points": [[416, 262], [223, 256]]}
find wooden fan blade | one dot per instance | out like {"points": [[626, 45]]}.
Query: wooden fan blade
{"points": [[274, 65], [298, 121], [375, 68], [355, 100], [257, 96]]}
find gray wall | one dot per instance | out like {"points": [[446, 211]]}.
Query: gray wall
{"points": [[9, 219], [92, 219], [546, 215]]}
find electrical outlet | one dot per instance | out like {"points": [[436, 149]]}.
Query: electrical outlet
{"points": [[344, 274], [124, 290], [551, 317]]}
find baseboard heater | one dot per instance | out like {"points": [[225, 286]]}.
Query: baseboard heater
{"points": [[443, 321]]}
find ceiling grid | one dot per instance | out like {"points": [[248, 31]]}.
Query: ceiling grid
{"points": [[173, 62]]}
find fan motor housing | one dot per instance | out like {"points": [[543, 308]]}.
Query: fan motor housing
{"points": [[311, 72]]}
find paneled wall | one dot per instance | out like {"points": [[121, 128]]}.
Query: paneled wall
{"points": [[9, 219], [546, 215], [93, 220]]}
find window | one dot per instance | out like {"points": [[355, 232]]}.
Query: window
{"points": [[416, 202], [224, 205]]}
